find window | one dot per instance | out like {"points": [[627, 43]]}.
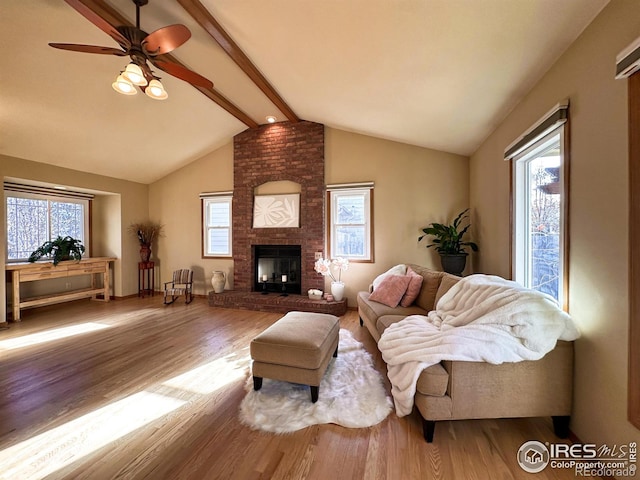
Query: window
{"points": [[539, 206], [33, 219], [216, 222], [350, 219]]}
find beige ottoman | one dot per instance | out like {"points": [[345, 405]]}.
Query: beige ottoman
{"points": [[297, 349]]}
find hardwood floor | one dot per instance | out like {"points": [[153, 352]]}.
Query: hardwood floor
{"points": [[135, 389]]}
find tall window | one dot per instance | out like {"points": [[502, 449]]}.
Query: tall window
{"points": [[216, 226], [539, 206], [33, 219], [350, 222]]}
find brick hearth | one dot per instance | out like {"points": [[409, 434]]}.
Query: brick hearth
{"points": [[275, 303]]}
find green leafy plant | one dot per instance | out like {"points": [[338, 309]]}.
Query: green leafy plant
{"points": [[67, 248], [448, 238]]}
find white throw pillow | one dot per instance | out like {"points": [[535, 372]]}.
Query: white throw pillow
{"points": [[397, 270]]}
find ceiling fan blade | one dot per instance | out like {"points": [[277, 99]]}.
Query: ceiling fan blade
{"points": [[91, 12], [182, 73], [88, 49], [165, 39]]}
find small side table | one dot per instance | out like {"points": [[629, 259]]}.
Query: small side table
{"points": [[146, 278]]}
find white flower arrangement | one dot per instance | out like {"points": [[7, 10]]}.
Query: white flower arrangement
{"points": [[323, 266]]}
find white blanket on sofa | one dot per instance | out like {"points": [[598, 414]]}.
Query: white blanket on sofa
{"points": [[482, 318]]}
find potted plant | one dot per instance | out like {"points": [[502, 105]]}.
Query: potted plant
{"points": [[448, 242], [146, 232], [67, 248]]}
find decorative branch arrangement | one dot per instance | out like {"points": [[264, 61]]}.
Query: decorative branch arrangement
{"points": [[146, 232]]}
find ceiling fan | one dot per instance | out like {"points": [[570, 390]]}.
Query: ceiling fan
{"points": [[141, 47]]}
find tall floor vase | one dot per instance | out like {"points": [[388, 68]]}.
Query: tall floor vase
{"points": [[218, 280]]}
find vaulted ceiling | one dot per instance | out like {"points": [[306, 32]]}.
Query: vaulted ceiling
{"points": [[440, 74]]}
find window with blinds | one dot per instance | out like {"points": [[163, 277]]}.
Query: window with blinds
{"points": [[350, 221], [216, 226]]}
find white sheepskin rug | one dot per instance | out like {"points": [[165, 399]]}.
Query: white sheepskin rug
{"points": [[352, 394]]}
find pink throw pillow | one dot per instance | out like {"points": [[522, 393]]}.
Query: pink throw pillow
{"points": [[413, 290], [391, 290], [397, 270]]}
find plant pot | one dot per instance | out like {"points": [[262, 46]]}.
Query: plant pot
{"points": [[453, 263], [337, 290], [218, 281]]}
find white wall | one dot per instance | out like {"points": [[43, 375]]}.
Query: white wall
{"points": [[413, 187], [174, 202], [126, 201], [598, 261]]}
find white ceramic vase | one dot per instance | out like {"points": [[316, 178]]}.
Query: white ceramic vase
{"points": [[218, 280], [337, 290]]}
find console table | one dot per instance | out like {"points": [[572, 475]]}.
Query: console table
{"points": [[29, 272]]}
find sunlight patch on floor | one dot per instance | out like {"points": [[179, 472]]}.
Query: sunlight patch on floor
{"points": [[211, 376], [53, 450], [50, 335], [48, 452]]}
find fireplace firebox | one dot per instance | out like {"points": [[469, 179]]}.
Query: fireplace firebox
{"points": [[277, 268]]}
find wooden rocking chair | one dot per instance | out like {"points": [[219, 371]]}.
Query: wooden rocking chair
{"points": [[182, 284]]}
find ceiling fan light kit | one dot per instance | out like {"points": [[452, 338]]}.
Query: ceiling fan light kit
{"points": [[142, 48], [123, 86], [156, 90], [134, 74]]}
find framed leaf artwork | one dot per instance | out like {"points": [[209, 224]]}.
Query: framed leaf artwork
{"points": [[276, 211]]}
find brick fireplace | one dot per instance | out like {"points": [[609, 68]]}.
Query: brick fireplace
{"points": [[276, 152]]}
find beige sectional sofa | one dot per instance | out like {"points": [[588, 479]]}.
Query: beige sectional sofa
{"points": [[456, 390]]}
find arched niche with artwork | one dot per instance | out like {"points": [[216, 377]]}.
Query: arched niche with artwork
{"points": [[276, 204]]}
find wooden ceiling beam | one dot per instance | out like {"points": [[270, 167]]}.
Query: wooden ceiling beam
{"points": [[98, 12], [201, 15]]}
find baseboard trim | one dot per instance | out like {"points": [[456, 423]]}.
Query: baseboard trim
{"points": [[157, 293]]}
